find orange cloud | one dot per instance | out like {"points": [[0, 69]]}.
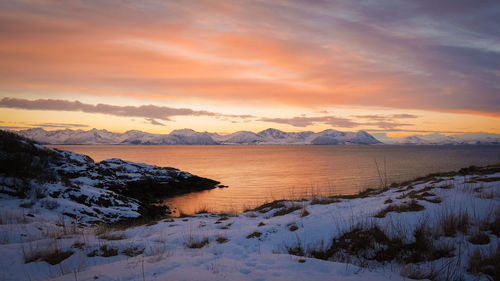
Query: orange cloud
{"points": [[229, 53]]}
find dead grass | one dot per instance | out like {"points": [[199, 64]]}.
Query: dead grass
{"points": [[112, 236], [106, 251], [411, 206], [7, 217], [182, 214], [255, 234], [416, 272], [362, 194], [132, 251], [26, 205], [264, 208], [127, 223], [324, 201], [286, 210], [78, 245], [202, 210], [435, 200], [227, 226], [251, 214], [495, 224], [423, 194], [487, 179], [371, 243], [486, 262], [196, 242], [452, 223], [52, 255], [296, 250], [304, 212], [221, 239], [480, 238], [157, 251]]}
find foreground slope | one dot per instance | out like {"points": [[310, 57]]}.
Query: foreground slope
{"points": [[441, 227]]}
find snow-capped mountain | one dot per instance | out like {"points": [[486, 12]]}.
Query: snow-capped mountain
{"points": [[191, 137], [241, 137], [273, 136], [188, 136], [462, 139]]}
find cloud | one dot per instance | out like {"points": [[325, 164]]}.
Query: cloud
{"points": [[432, 55], [380, 121], [387, 117], [386, 121], [154, 122], [14, 127], [43, 125], [416, 131], [307, 121], [59, 125], [404, 116], [150, 112]]}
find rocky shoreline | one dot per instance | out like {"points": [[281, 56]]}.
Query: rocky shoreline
{"points": [[92, 192]]}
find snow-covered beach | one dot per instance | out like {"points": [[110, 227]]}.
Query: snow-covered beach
{"points": [[441, 227]]}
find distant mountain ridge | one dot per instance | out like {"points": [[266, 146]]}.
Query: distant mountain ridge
{"points": [[191, 137], [440, 139], [465, 139]]}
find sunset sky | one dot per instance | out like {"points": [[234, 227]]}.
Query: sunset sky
{"points": [[401, 67]]}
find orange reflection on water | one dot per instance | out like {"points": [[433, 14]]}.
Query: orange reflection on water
{"points": [[259, 174]]}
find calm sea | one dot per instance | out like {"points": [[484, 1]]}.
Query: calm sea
{"points": [[256, 174]]}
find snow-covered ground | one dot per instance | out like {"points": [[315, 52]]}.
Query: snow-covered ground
{"points": [[256, 245], [51, 183]]}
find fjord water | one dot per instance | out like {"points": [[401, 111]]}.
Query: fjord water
{"points": [[258, 174]]}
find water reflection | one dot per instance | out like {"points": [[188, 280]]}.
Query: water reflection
{"points": [[258, 174]]}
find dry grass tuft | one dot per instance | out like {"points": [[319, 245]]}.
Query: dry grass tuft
{"points": [[286, 210], [452, 223], [324, 201], [411, 206], [112, 236], [78, 245], [264, 208], [202, 210], [480, 238], [487, 262], [196, 242], [255, 234], [415, 272], [221, 239], [304, 212], [107, 251], [26, 205], [52, 255], [132, 251]]}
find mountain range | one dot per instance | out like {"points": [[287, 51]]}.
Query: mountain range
{"points": [[439, 139], [268, 136], [191, 137]]}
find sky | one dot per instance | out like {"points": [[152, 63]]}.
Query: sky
{"points": [[389, 66]]}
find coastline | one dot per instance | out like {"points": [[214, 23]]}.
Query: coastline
{"points": [[291, 239]]}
